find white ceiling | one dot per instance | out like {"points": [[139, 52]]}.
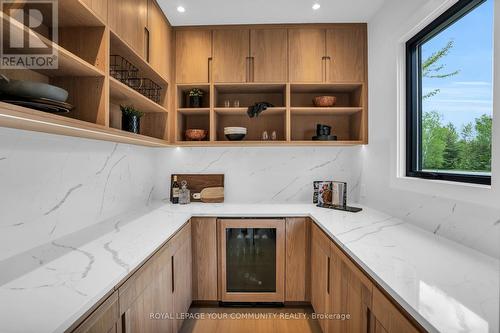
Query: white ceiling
{"points": [[210, 12]]}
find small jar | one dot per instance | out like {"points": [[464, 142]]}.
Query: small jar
{"points": [[184, 194]]}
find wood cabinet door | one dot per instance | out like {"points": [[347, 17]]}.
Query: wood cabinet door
{"points": [[182, 276], [346, 47], [204, 247], [352, 295], [160, 39], [306, 54], [128, 19], [386, 316], [268, 52], [104, 319], [320, 275], [149, 291], [297, 274], [231, 52], [193, 51]]}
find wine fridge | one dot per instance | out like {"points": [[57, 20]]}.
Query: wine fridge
{"points": [[252, 260]]}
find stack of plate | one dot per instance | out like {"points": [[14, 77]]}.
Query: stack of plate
{"points": [[235, 133]]}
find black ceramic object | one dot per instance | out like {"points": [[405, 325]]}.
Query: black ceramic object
{"points": [[195, 101], [235, 137], [258, 108], [325, 138], [131, 124], [323, 130]]}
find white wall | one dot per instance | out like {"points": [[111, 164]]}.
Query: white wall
{"points": [[265, 174], [465, 213], [52, 186]]}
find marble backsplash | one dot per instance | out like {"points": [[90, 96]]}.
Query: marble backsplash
{"points": [[264, 175], [52, 186]]}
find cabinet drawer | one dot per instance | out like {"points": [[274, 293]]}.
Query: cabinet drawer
{"points": [[388, 316], [103, 319]]}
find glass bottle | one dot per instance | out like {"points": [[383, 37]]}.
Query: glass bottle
{"points": [[184, 194], [174, 195]]}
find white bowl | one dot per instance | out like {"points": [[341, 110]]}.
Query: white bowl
{"points": [[235, 130]]}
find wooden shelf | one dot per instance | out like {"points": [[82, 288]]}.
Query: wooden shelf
{"points": [[254, 143], [120, 47], [193, 111], [243, 111], [27, 119], [250, 87], [318, 87], [74, 13], [325, 111], [69, 63], [326, 143], [120, 93]]}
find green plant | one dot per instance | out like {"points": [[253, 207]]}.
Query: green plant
{"points": [[130, 111], [195, 92]]}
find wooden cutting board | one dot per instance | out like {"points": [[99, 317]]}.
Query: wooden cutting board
{"points": [[196, 183]]}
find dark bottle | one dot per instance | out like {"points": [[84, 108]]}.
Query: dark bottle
{"points": [[174, 195]]}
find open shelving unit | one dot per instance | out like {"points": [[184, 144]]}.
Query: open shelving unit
{"points": [[293, 117], [84, 46]]}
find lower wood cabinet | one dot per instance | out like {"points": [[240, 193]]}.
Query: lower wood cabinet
{"points": [[352, 295], [321, 261], [309, 267], [339, 287], [105, 319], [159, 289], [204, 245], [387, 318], [297, 272]]}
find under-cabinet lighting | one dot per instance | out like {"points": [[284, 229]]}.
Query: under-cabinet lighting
{"points": [[316, 6], [181, 9]]}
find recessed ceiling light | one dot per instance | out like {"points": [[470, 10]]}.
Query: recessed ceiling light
{"points": [[316, 6], [181, 9]]}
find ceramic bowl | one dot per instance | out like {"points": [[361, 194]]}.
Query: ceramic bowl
{"points": [[324, 101], [235, 137], [196, 134]]}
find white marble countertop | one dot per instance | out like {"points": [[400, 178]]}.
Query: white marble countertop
{"points": [[445, 286]]}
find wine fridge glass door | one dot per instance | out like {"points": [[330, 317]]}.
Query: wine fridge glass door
{"points": [[251, 260]]}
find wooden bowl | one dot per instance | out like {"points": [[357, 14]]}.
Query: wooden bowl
{"points": [[324, 101], [195, 134]]}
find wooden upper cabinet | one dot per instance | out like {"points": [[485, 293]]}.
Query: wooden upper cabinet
{"points": [[128, 19], [268, 52], [346, 47], [193, 51], [306, 54], [231, 52], [160, 39]]}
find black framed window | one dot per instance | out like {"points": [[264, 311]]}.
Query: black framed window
{"points": [[449, 79]]}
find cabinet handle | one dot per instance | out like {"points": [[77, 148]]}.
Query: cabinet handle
{"points": [[209, 64], [328, 277], [173, 275], [124, 322]]}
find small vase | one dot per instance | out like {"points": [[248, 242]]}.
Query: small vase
{"points": [[195, 101], [131, 124]]}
